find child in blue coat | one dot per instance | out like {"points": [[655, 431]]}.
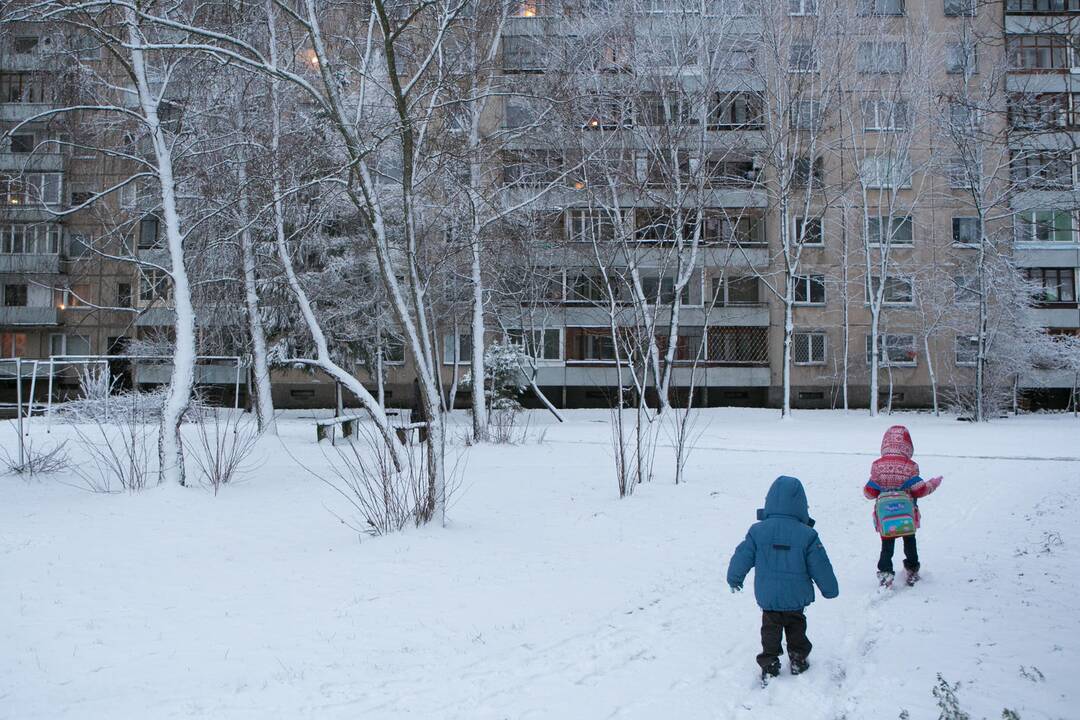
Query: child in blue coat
{"points": [[788, 558]]}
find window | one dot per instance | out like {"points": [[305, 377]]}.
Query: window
{"points": [[1041, 6], [656, 225], [893, 349], [963, 117], [593, 345], [123, 295], [884, 115], [803, 57], [744, 227], [883, 58], [463, 343], [69, 344], [583, 225], [897, 291], [723, 171], [808, 231], [31, 189], [806, 115], [586, 287], [966, 350], [738, 111], [1038, 52], [960, 8], [810, 289], [148, 232], [955, 171], [889, 230], [22, 87], [532, 168], [802, 7], [524, 53], [881, 7], [1044, 111], [965, 290], [15, 295], [12, 344], [664, 109], [154, 285], [1041, 169], [808, 348], [608, 112], [29, 239], [807, 172], [661, 290], [75, 297], [543, 344], [961, 57], [25, 44], [886, 171], [21, 143], [736, 291], [966, 231], [1045, 226], [1053, 285], [393, 350], [530, 8], [738, 345]]}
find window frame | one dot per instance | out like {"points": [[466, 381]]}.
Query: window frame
{"points": [[809, 336], [808, 282], [884, 360]]}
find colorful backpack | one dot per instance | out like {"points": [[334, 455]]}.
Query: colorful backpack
{"points": [[894, 514]]}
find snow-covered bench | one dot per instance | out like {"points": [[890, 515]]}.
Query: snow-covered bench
{"points": [[325, 428], [399, 420]]}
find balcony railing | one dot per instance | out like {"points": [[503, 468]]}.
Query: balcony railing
{"points": [[28, 315], [38, 264]]}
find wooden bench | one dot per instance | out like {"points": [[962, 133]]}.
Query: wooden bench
{"points": [[325, 428], [398, 418], [405, 432]]}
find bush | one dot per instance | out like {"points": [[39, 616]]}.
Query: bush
{"points": [[224, 441]]}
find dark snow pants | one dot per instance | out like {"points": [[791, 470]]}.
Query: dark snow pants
{"points": [[911, 554], [773, 625]]}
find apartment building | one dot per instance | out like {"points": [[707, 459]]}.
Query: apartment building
{"points": [[57, 300], [864, 172], [1042, 91], [915, 210]]}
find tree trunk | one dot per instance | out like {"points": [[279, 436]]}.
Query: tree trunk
{"points": [[178, 396], [264, 401], [479, 372]]}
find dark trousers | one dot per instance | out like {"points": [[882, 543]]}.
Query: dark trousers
{"points": [[911, 554], [773, 625]]}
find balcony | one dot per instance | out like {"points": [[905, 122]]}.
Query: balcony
{"points": [[1060, 315], [21, 112], [159, 374], [32, 162], [35, 264], [28, 316], [155, 317]]}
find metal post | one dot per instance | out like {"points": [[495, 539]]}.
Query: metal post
{"points": [[33, 387], [108, 388], [48, 401], [18, 410]]}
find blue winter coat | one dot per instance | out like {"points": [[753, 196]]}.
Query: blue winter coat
{"points": [[785, 552]]}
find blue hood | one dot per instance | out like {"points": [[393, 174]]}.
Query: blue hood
{"points": [[786, 497]]}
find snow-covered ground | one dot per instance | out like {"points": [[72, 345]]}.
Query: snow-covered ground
{"points": [[546, 596]]}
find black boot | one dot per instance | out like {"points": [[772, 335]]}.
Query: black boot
{"points": [[770, 671], [799, 664]]}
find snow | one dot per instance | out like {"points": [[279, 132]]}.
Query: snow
{"points": [[546, 596]]}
